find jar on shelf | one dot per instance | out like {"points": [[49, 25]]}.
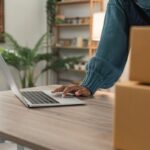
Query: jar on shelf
{"points": [[79, 42], [76, 67]]}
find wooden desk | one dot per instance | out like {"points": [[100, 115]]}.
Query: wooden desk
{"points": [[61, 128]]}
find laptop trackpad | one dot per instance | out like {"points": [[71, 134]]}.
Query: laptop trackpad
{"points": [[64, 100]]}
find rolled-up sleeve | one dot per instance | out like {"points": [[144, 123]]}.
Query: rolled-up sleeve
{"points": [[104, 69]]}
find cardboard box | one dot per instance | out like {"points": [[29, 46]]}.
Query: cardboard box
{"points": [[140, 54], [132, 117]]}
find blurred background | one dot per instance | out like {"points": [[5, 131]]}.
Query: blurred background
{"points": [[50, 41]]}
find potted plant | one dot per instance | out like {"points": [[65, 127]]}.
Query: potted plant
{"points": [[25, 60]]}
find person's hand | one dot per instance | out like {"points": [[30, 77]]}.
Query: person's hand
{"points": [[75, 89]]}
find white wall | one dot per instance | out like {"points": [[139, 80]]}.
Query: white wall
{"points": [[25, 20]]}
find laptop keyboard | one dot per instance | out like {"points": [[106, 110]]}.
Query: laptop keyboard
{"points": [[38, 97]]}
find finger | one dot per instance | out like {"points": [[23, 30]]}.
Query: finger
{"points": [[70, 89], [60, 89], [83, 92]]}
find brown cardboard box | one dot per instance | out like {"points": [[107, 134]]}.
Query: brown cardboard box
{"points": [[132, 117], [140, 54]]}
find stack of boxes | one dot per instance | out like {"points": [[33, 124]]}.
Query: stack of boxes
{"points": [[132, 109]]}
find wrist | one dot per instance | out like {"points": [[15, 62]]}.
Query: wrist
{"points": [[90, 92]]}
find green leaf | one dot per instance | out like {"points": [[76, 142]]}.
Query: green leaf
{"points": [[43, 57], [1, 50], [11, 40], [12, 59], [39, 43]]}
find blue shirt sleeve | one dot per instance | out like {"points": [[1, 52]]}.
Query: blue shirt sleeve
{"points": [[104, 69]]}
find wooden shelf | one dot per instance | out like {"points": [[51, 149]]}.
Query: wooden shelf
{"points": [[73, 70], [74, 48], [72, 25], [73, 2], [79, 71], [70, 81], [77, 2], [97, 1], [94, 47]]}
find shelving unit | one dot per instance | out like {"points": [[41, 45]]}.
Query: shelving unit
{"points": [[89, 25], [78, 2], [91, 9]]}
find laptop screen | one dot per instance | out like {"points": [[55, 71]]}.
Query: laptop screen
{"points": [[9, 78]]}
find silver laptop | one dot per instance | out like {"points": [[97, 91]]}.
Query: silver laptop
{"points": [[36, 98]]}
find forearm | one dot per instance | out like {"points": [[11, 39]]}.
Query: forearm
{"points": [[106, 66]]}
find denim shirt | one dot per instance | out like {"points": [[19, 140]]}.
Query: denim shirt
{"points": [[105, 68]]}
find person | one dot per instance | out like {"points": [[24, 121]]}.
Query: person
{"points": [[104, 69]]}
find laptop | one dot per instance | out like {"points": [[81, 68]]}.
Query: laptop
{"points": [[33, 99]]}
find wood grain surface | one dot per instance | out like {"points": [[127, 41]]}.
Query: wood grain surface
{"points": [[86, 127]]}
